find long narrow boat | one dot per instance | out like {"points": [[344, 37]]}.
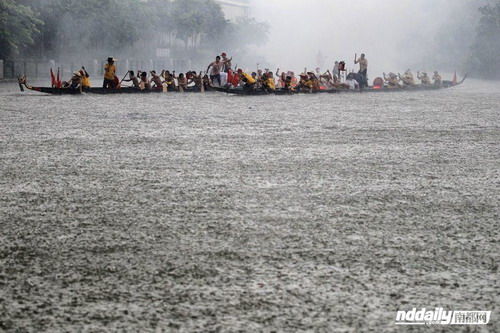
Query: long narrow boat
{"points": [[253, 92], [235, 91], [100, 91]]}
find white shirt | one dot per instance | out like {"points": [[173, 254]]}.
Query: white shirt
{"points": [[353, 84]]}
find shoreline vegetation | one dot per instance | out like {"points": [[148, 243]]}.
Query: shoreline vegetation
{"points": [[188, 31]]}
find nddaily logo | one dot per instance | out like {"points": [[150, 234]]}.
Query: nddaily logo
{"points": [[439, 316]]}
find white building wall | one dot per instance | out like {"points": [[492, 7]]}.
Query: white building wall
{"points": [[234, 8]]}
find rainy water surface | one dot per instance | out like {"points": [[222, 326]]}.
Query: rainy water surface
{"points": [[200, 212]]}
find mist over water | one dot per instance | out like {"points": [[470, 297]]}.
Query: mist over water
{"points": [[394, 34]]}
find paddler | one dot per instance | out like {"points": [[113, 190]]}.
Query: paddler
{"points": [[206, 82], [75, 81], [438, 81], [351, 82], [132, 78], [424, 78], [156, 79], [392, 80], [169, 80], [305, 83], [315, 81], [109, 74], [197, 79], [144, 84], [248, 80], [85, 78], [268, 82], [182, 82], [407, 78]]}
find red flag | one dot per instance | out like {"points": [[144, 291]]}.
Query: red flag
{"points": [[58, 82], [53, 81], [454, 78]]}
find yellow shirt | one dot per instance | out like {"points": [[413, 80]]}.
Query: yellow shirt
{"points": [[270, 83], [249, 78], [86, 82], [109, 72]]}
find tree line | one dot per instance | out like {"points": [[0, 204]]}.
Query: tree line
{"points": [[51, 29], [485, 49]]}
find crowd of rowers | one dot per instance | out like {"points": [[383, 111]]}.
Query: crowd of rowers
{"points": [[219, 73]]}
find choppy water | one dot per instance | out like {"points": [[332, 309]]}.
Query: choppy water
{"points": [[208, 212]]}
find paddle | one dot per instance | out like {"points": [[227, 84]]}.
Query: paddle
{"points": [[119, 84], [20, 85]]}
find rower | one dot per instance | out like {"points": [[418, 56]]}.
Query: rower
{"points": [[85, 78], [169, 80], [424, 78], [75, 82], [315, 81], [132, 78], [182, 82], [351, 82], [156, 79], [392, 80], [407, 78], [363, 68], [216, 68], [281, 78], [206, 82], [144, 84], [438, 81], [327, 80], [305, 83], [268, 82], [109, 74], [249, 81], [197, 79]]}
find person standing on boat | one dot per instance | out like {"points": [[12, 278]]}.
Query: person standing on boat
{"points": [[226, 62], [215, 69], [109, 74], [363, 68], [336, 70]]}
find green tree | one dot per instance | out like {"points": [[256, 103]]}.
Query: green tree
{"points": [[18, 27], [483, 61]]}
